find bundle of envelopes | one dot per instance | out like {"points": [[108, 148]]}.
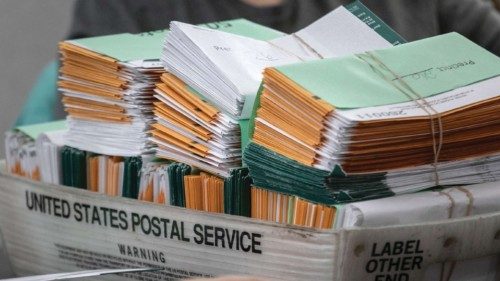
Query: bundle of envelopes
{"points": [[111, 175], [189, 129], [198, 137], [178, 184], [200, 116], [107, 84], [380, 123], [32, 151]]}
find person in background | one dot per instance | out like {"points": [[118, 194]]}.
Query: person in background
{"points": [[475, 19], [497, 4]]}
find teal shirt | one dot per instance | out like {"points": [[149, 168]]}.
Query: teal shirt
{"points": [[42, 101]]}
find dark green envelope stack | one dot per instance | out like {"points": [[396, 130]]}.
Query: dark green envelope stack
{"points": [[276, 172], [74, 167], [131, 177], [176, 173], [237, 193]]}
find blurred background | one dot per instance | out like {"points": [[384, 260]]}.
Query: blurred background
{"points": [[30, 32]]}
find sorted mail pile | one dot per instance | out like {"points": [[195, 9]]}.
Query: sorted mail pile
{"points": [[380, 123], [107, 84], [206, 100]]}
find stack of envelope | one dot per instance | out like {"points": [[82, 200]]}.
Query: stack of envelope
{"points": [[191, 130], [426, 206], [204, 192], [107, 84], [178, 184], [289, 209], [380, 123], [32, 151], [207, 97]]}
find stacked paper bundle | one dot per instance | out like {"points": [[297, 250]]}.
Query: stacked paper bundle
{"points": [[193, 131], [381, 123], [178, 184], [32, 151], [426, 206], [205, 101], [204, 192], [107, 84]]}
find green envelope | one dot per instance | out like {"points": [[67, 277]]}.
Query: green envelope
{"points": [[176, 173], [74, 167], [74, 170], [131, 176], [237, 193]]}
